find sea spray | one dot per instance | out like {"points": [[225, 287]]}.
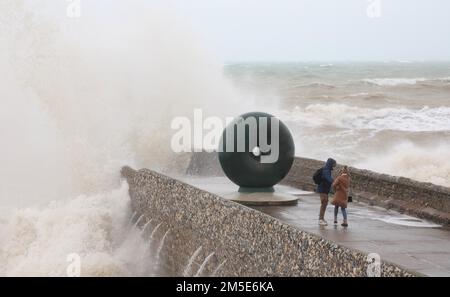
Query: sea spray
{"points": [[203, 265], [83, 98], [132, 217], [424, 163], [144, 228], [187, 270], [218, 268], [138, 221], [161, 245], [155, 230]]}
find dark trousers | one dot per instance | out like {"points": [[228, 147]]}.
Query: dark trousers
{"points": [[323, 205]]}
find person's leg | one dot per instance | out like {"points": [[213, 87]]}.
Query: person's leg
{"points": [[323, 205], [344, 214], [336, 210]]}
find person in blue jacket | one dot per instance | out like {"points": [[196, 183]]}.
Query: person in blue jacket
{"points": [[324, 189]]}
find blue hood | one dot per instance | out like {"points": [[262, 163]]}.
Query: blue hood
{"points": [[330, 164]]}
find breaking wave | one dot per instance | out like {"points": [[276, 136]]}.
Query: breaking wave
{"points": [[423, 163], [351, 117], [403, 81], [80, 99]]}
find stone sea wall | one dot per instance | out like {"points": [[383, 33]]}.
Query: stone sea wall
{"points": [[224, 238], [424, 200], [420, 199]]}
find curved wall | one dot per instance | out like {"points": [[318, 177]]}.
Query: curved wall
{"points": [[236, 240], [420, 199]]}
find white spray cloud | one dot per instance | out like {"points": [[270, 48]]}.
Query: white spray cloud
{"points": [[81, 98], [428, 164]]}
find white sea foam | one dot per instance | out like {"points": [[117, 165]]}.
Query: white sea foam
{"points": [[352, 117], [372, 138], [393, 81], [37, 241], [81, 98], [390, 82], [443, 79], [423, 163], [361, 94]]}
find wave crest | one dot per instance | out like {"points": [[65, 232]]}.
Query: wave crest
{"points": [[423, 163], [351, 117], [390, 82]]}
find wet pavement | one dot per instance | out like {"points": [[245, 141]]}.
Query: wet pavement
{"points": [[412, 243]]}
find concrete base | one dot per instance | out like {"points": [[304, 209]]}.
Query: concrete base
{"points": [[261, 199], [256, 190]]}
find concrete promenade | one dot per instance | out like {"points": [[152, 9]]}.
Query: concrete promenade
{"points": [[412, 243]]}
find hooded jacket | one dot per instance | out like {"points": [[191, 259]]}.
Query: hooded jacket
{"points": [[327, 180], [341, 186]]}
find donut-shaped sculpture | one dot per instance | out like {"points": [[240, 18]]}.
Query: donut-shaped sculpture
{"points": [[256, 162]]}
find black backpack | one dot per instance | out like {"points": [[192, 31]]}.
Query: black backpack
{"points": [[317, 177]]}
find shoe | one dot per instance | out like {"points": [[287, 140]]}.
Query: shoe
{"points": [[344, 225], [335, 222], [323, 223]]}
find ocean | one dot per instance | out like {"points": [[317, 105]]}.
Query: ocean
{"points": [[391, 117]]}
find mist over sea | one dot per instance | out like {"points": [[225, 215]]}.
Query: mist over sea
{"points": [[392, 117], [80, 99]]}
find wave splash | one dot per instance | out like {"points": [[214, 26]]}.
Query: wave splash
{"points": [[404, 81], [358, 118], [423, 163], [38, 241], [85, 97]]}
